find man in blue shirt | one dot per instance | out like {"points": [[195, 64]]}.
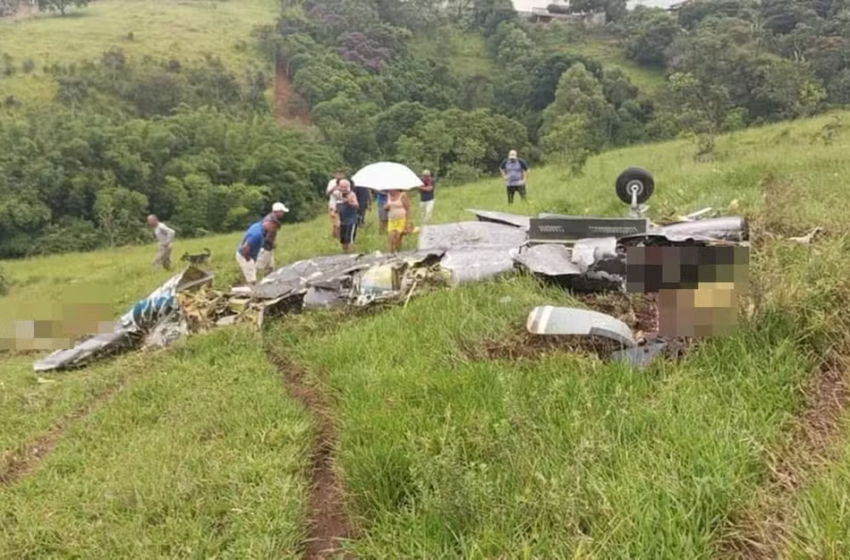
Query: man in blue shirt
{"points": [[249, 249], [265, 262], [515, 172]]}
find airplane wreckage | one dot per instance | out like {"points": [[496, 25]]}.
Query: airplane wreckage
{"points": [[580, 253]]}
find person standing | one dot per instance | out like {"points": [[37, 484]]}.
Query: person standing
{"points": [[398, 218], [364, 201], [265, 262], [332, 191], [165, 237], [515, 172], [249, 250], [348, 210], [381, 203], [426, 196]]}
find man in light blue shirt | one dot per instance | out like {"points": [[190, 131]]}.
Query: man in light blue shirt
{"points": [[515, 172]]}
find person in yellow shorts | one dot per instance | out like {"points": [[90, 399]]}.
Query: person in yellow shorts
{"points": [[398, 218]]}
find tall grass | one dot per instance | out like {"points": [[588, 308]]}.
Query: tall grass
{"points": [[444, 451]]}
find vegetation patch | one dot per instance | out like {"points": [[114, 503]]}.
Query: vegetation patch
{"points": [[203, 454]]}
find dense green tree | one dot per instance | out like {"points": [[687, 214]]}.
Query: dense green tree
{"points": [[692, 13], [649, 32], [77, 182]]}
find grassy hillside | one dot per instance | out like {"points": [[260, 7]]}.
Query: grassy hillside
{"points": [[445, 446], [184, 29], [467, 53], [602, 48]]}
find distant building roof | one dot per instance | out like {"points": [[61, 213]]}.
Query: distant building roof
{"points": [[678, 5]]}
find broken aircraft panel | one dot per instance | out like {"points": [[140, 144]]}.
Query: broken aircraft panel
{"points": [[474, 265], [724, 229], [641, 356], [142, 325], [551, 320], [470, 235], [568, 229], [515, 220], [547, 260]]}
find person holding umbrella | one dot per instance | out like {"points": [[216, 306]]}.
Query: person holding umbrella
{"points": [[389, 180]]}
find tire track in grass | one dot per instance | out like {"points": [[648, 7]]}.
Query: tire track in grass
{"points": [[19, 462], [327, 521], [762, 530]]}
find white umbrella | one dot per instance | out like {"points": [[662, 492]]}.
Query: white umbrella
{"points": [[387, 176]]}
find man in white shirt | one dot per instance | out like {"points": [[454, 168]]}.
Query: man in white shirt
{"points": [[334, 198], [164, 236]]}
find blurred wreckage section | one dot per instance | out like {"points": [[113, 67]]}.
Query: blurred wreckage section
{"points": [[582, 254]]}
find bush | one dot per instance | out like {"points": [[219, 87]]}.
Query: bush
{"points": [[4, 284]]}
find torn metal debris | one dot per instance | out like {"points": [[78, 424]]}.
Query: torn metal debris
{"points": [[515, 220], [155, 321], [551, 320], [580, 253]]}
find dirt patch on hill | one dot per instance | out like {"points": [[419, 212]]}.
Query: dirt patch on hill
{"points": [[638, 311], [762, 530], [327, 521], [288, 105]]}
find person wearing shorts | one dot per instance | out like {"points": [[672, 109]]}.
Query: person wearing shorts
{"points": [[265, 262], [249, 250], [515, 172], [426, 196], [348, 210], [398, 218]]}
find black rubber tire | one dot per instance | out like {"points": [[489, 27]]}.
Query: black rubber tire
{"points": [[635, 176]]}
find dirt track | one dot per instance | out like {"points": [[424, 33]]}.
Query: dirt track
{"points": [[17, 463], [327, 522]]}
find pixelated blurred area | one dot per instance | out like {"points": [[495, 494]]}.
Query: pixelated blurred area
{"points": [[55, 328], [697, 287]]}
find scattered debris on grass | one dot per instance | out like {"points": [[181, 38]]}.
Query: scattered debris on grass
{"points": [[808, 238], [448, 254]]}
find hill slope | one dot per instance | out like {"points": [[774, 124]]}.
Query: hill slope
{"points": [[447, 445], [160, 28]]}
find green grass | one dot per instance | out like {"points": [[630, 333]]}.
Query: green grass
{"points": [[444, 453], [202, 456], [567, 39], [466, 52], [611, 54], [187, 29]]}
